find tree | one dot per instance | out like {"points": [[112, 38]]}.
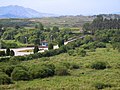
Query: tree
{"points": [[50, 46], [12, 53], [41, 27], [56, 29], [36, 49], [7, 52], [60, 42]]}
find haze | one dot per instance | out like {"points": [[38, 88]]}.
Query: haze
{"points": [[68, 7]]}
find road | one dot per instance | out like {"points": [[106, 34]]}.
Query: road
{"points": [[19, 53]]}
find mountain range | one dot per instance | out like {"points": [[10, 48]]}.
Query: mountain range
{"points": [[14, 11]]}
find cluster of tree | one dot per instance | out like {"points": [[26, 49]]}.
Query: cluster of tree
{"points": [[101, 23], [7, 53], [34, 35]]}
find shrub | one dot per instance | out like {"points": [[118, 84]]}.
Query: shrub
{"points": [[36, 49], [101, 45], [74, 66], [4, 79], [61, 71], [18, 58], [2, 53], [81, 52], [98, 65], [8, 70], [3, 59], [101, 85], [7, 52], [60, 42], [20, 73], [12, 53], [50, 46], [42, 71], [71, 52]]}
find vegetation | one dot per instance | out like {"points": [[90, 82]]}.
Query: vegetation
{"points": [[36, 49], [50, 46], [90, 62]]}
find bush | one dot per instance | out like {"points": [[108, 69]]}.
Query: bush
{"points": [[18, 58], [74, 66], [71, 52], [50, 46], [60, 42], [61, 71], [12, 53], [98, 65], [42, 71], [36, 49], [8, 70], [4, 79], [2, 53], [101, 45], [4, 59], [7, 52], [20, 73], [101, 85], [81, 52]]}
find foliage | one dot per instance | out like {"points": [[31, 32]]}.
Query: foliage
{"points": [[81, 52], [7, 52], [71, 52], [98, 65], [50, 46], [61, 71], [60, 42], [20, 73], [2, 53], [8, 70], [4, 79], [41, 71], [36, 49], [12, 53], [102, 86]]}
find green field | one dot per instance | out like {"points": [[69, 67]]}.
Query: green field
{"points": [[83, 78]]}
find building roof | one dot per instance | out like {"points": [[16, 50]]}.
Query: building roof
{"points": [[45, 41]]}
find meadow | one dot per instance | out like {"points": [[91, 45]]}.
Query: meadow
{"points": [[82, 78]]}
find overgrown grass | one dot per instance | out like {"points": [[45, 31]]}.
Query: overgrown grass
{"points": [[82, 78]]}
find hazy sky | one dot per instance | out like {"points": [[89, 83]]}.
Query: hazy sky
{"points": [[68, 7]]}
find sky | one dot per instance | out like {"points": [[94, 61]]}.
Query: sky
{"points": [[68, 7]]}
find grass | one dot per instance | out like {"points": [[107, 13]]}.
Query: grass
{"points": [[83, 78]]}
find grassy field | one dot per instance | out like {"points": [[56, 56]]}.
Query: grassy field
{"points": [[64, 21], [83, 78]]}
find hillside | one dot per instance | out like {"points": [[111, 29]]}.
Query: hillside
{"points": [[14, 11]]}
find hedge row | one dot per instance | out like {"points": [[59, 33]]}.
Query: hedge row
{"points": [[62, 49]]}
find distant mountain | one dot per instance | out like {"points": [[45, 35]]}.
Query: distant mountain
{"points": [[14, 11]]}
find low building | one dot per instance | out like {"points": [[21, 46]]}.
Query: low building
{"points": [[44, 43]]}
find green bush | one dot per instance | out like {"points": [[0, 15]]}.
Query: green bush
{"points": [[18, 58], [20, 73], [50, 46], [7, 52], [2, 53], [12, 53], [60, 42], [8, 70], [61, 71], [41, 71], [102, 85], [36, 49], [4, 79], [98, 65], [71, 52], [74, 66], [4, 59], [81, 52]]}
